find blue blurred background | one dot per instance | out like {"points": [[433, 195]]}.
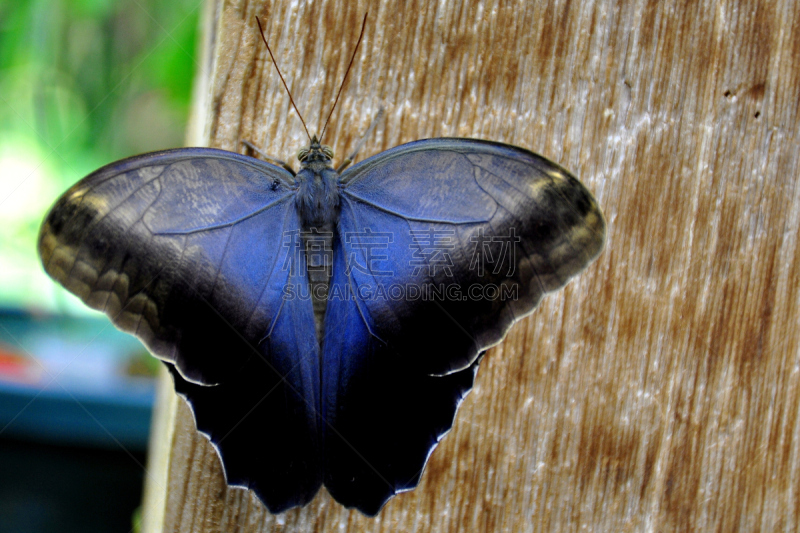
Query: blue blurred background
{"points": [[82, 83]]}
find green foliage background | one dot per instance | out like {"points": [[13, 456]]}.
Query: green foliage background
{"points": [[82, 83]]}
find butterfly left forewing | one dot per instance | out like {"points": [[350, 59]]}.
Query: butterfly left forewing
{"points": [[177, 247]]}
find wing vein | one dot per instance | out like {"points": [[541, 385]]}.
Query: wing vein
{"points": [[257, 212], [351, 196], [221, 262], [286, 215]]}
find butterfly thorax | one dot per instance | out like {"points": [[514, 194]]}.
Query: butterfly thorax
{"points": [[318, 183], [318, 204]]}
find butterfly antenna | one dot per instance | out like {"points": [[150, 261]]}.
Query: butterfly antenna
{"points": [[363, 25], [260, 29]]}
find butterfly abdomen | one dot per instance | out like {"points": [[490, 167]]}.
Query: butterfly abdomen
{"points": [[318, 203]]}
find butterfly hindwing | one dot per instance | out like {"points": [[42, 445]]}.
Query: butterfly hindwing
{"points": [[381, 415], [264, 419]]}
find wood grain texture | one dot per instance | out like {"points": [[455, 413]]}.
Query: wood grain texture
{"points": [[660, 390]]}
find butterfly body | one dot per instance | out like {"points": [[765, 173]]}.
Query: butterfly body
{"points": [[317, 202], [324, 328], [318, 187]]}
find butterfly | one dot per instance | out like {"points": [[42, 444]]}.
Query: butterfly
{"points": [[323, 326]]}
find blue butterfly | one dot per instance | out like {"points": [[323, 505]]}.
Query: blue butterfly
{"points": [[434, 249], [323, 326]]}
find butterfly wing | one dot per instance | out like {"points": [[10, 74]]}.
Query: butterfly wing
{"points": [[191, 250], [462, 215], [444, 244], [381, 416]]}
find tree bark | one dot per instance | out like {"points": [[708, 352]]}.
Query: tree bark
{"points": [[659, 390]]}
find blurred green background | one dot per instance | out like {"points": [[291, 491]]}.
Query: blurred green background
{"points": [[82, 83]]}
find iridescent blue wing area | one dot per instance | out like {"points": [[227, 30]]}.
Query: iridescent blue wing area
{"points": [[191, 250], [382, 416], [445, 243]]}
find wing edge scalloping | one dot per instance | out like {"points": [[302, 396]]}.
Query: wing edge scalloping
{"points": [[216, 446], [418, 476]]}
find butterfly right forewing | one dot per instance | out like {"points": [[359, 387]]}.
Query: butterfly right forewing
{"points": [[466, 215]]}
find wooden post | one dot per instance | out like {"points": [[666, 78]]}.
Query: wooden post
{"points": [[660, 389]]}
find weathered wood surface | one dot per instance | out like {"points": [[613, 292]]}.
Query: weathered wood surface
{"points": [[660, 390]]}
